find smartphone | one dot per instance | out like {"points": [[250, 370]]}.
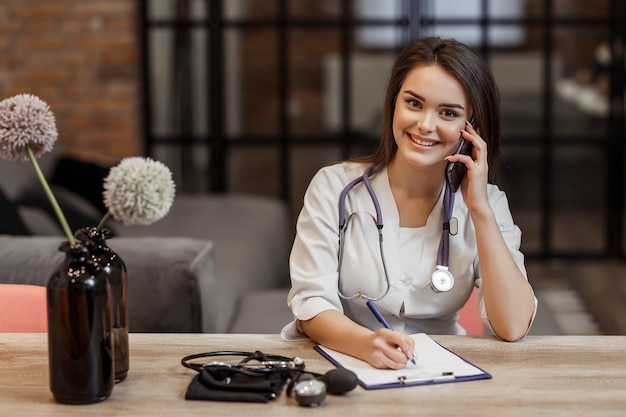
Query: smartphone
{"points": [[455, 171]]}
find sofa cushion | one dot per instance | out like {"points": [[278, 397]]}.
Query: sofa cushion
{"points": [[169, 279], [16, 177], [263, 311], [81, 177], [39, 221], [78, 211], [10, 221], [251, 237]]}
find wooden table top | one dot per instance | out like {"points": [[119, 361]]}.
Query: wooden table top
{"points": [[538, 376]]}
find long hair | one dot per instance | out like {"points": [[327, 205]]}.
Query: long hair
{"points": [[469, 70]]}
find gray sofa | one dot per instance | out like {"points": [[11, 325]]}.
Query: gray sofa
{"points": [[203, 268]]}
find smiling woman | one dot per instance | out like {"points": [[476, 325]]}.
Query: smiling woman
{"points": [[435, 86]]}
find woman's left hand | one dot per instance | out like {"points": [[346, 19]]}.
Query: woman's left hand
{"points": [[474, 185]]}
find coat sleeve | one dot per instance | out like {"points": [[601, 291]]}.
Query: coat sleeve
{"points": [[314, 256]]}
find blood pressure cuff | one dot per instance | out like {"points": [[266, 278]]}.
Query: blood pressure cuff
{"points": [[233, 385]]}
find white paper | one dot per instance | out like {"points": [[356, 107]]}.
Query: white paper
{"points": [[433, 360]]}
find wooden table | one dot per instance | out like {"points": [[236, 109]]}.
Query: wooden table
{"points": [[539, 376]]}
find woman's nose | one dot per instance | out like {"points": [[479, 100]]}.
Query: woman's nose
{"points": [[425, 123]]}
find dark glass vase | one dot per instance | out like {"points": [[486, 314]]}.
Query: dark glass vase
{"points": [[80, 347], [115, 269]]}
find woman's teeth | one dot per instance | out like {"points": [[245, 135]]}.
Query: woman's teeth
{"points": [[421, 142]]}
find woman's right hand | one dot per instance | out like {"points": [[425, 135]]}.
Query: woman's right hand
{"points": [[389, 349], [383, 348]]}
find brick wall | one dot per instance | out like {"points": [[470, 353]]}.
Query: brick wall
{"points": [[81, 57]]}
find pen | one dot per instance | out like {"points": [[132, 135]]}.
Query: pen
{"points": [[444, 376], [381, 319]]}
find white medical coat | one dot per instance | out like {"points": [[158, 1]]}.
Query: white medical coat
{"points": [[411, 305]]}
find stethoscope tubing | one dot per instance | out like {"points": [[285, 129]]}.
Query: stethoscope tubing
{"points": [[443, 252]]}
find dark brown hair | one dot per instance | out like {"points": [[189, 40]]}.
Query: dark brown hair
{"points": [[469, 70]]}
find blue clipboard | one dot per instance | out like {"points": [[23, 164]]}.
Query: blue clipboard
{"points": [[435, 364]]}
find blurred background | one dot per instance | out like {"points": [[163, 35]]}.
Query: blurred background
{"points": [[254, 96]]}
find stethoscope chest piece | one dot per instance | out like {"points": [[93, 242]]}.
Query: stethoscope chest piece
{"points": [[310, 392], [442, 279]]}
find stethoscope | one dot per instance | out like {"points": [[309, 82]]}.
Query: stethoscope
{"points": [[252, 373], [441, 280]]}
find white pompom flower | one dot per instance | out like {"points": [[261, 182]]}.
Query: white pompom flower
{"points": [[138, 191], [27, 131], [26, 121]]}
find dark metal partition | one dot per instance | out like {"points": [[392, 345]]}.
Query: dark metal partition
{"points": [[565, 170]]}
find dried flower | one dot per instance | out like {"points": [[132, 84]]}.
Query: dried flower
{"points": [[138, 191], [26, 122], [28, 130]]}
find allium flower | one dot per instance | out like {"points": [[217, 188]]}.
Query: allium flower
{"points": [[28, 130], [26, 122], [138, 191]]}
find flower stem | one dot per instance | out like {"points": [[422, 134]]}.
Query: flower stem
{"points": [[105, 219], [50, 195]]}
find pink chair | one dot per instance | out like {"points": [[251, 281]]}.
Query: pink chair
{"points": [[23, 308], [470, 316]]}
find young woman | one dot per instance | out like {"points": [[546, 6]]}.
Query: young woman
{"points": [[436, 86]]}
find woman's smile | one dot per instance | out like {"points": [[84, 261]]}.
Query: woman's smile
{"points": [[418, 140]]}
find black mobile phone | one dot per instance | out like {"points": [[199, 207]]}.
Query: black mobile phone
{"points": [[455, 171]]}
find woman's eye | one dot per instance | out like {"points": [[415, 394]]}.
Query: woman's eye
{"points": [[413, 103], [449, 114]]}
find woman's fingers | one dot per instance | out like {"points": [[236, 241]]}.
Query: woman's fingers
{"points": [[391, 349]]}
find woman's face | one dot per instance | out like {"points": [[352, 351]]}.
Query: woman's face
{"points": [[431, 110]]}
